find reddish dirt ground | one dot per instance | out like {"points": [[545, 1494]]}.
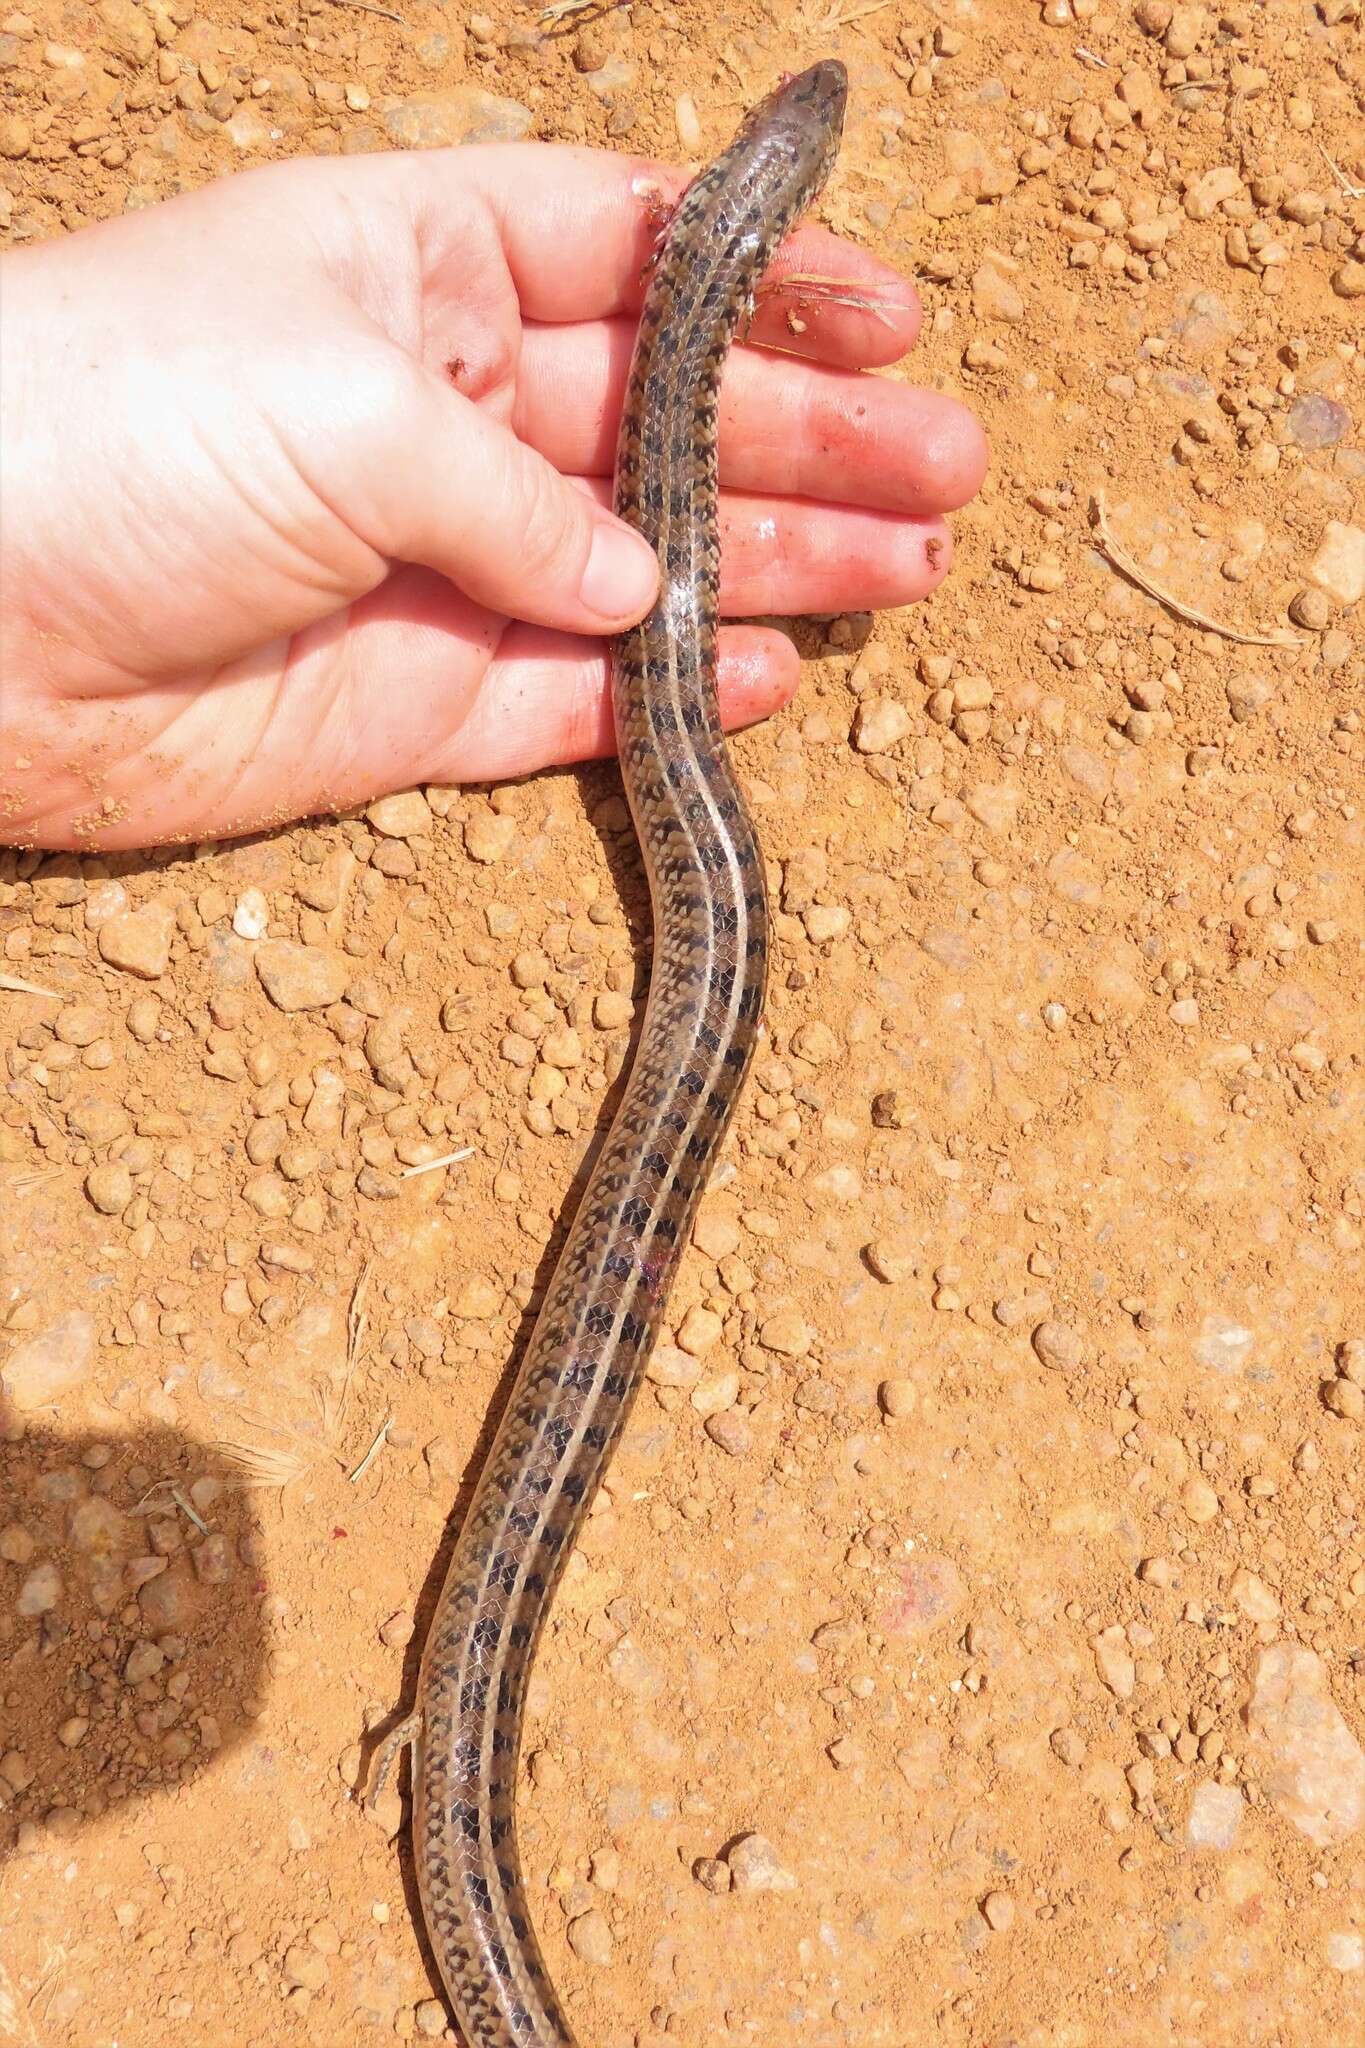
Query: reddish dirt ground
{"points": [[989, 1538]]}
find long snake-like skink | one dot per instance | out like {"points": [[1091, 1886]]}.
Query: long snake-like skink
{"points": [[602, 1312]]}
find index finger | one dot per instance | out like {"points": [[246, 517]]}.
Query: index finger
{"points": [[579, 226]]}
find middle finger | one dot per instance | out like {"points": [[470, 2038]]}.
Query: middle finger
{"points": [[788, 557]]}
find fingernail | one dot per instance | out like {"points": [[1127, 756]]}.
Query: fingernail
{"points": [[622, 574]]}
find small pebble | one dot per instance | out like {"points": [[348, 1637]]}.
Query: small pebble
{"points": [[1058, 1346], [1199, 1501], [251, 915], [143, 1661], [879, 725], [304, 1967], [16, 1544], [1216, 1813], [899, 1399], [300, 977], [40, 1591], [754, 1866], [1312, 610], [787, 1334], [1346, 1951], [138, 941], [488, 837], [406, 815], [732, 1431], [1346, 1400], [590, 1939], [699, 1330], [1315, 421], [1338, 568], [688, 124], [887, 1261], [110, 1189], [1253, 1596]]}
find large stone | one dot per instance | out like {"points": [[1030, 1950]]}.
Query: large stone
{"points": [[463, 113], [880, 723], [39, 1371], [995, 296], [128, 31], [1338, 567], [488, 835], [404, 815], [1315, 421], [1206, 193], [1215, 1816], [1059, 1346], [1310, 1763], [110, 1188], [754, 1866], [138, 941], [301, 977]]}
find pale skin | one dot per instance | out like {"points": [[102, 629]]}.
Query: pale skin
{"points": [[305, 486]]}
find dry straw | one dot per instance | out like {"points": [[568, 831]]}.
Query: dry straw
{"points": [[1278, 636]]}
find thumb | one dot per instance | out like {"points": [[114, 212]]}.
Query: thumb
{"points": [[457, 492]]}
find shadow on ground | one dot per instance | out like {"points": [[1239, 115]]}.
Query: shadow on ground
{"points": [[133, 1633]]}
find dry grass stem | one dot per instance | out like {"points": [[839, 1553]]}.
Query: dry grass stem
{"points": [[1279, 636], [838, 17], [803, 288], [268, 1466], [188, 1512], [16, 985], [1351, 191], [381, 1438], [357, 1322], [369, 7], [155, 1500], [431, 1165]]}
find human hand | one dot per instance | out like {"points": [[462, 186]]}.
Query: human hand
{"points": [[307, 477]]}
